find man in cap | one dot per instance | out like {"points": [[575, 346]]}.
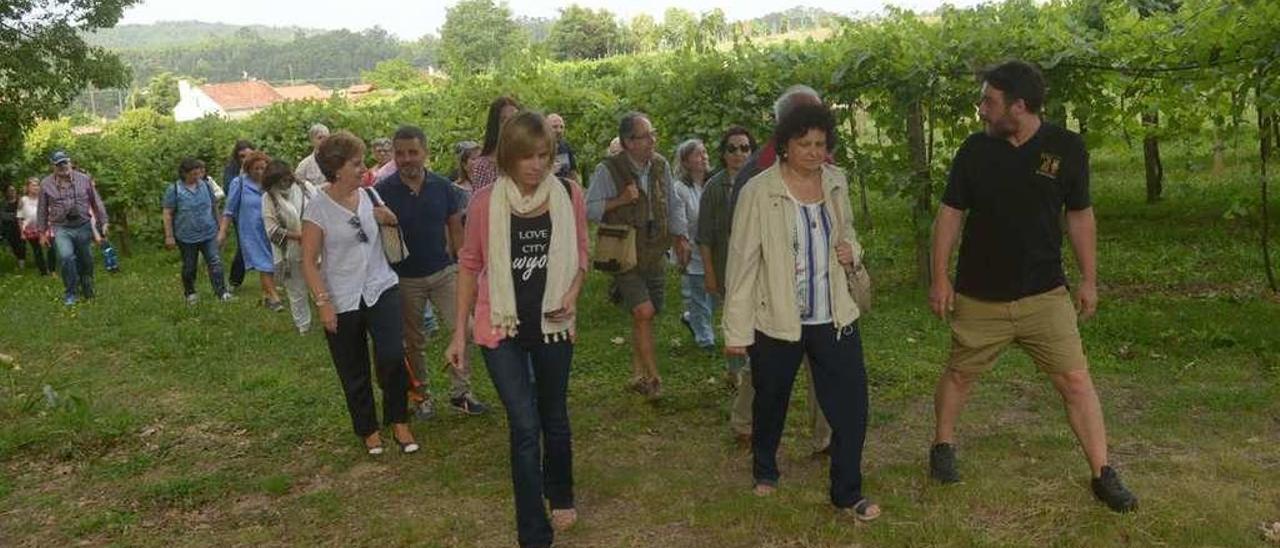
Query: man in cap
{"points": [[68, 205]]}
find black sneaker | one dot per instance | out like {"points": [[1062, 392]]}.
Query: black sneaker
{"points": [[1111, 490], [469, 405], [942, 463]]}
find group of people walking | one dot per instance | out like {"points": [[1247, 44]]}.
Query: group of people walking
{"points": [[769, 238], [60, 217]]}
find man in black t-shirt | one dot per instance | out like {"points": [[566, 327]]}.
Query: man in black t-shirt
{"points": [[1008, 187]]}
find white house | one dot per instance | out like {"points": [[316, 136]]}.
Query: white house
{"points": [[236, 100]]}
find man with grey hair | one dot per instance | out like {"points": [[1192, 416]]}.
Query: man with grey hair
{"points": [[383, 147], [566, 162], [634, 189], [764, 158], [308, 169]]}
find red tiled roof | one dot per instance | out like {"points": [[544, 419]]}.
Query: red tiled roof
{"points": [[242, 95], [305, 91]]}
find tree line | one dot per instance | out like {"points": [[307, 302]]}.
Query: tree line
{"points": [[903, 84]]}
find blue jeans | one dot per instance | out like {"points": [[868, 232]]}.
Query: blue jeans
{"points": [[190, 253], [75, 258], [698, 305], [532, 380], [840, 379]]}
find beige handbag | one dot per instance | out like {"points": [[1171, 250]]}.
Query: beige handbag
{"points": [[860, 285], [393, 246], [859, 280], [615, 248]]}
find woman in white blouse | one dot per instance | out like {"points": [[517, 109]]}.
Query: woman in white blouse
{"points": [[27, 206], [356, 292]]}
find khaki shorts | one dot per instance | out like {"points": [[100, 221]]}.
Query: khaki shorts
{"points": [[1043, 325], [644, 283]]}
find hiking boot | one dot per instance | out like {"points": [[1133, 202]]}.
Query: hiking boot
{"points": [[425, 409], [468, 405], [1109, 489], [942, 463]]}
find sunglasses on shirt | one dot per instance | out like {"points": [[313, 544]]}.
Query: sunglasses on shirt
{"points": [[354, 221]]}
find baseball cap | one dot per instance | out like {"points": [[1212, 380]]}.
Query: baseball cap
{"points": [[59, 157]]}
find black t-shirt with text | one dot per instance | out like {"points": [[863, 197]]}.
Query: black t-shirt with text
{"points": [[530, 246], [1014, 196]]}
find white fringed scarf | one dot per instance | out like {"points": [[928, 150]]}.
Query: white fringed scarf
{"points": [[562, 254]]}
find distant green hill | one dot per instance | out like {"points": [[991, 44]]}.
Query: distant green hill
{"points": [[167, 34]]}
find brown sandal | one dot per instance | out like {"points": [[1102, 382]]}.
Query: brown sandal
{"points": [[563, 518], [865, 510]]}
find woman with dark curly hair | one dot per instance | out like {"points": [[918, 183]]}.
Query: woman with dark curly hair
{"points": [[285, 198], [787, 297]]}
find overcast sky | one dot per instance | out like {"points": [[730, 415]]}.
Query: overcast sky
{"points": [[410, 19]]}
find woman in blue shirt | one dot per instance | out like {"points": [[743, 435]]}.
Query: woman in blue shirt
{"points": [[244, 206]]}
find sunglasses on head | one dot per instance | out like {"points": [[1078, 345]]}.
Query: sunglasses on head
{"points": [[354, 221], [737, 148]]}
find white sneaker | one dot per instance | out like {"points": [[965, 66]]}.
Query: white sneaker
{"points": [[192, 299], [226, 297]]}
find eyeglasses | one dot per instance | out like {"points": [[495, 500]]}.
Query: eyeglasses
{"points": [[354, 221], [737, 148], [653, 135]]}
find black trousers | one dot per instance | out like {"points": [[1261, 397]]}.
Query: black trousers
{"points": [[840, 379], [349, 347], [237, 268], [39, 254], [13, 237]]}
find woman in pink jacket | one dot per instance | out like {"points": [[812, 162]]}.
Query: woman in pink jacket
{"points": [[522, 266]]}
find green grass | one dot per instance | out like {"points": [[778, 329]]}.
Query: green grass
{"points": [[217, 424]]}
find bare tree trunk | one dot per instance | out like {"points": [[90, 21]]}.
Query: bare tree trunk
{"points": [[1266, 131], [121, 220], [1219, 154], [921, 217], [1151, 158], [857, 167]]}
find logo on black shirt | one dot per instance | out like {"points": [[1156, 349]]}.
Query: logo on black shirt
{"points": [[1049, 165]]}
